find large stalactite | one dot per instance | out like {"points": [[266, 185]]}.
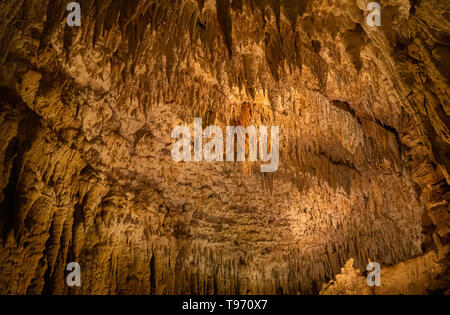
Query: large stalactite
{"points": [[86, 115]]}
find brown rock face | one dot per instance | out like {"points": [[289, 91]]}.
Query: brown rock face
{"points": [[86, 115]]}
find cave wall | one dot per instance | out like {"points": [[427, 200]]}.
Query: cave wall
{"points": [[85, 122]]}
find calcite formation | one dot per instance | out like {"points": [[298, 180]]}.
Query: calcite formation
{"points": [[86, 115]]}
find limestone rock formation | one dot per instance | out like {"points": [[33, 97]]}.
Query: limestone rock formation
{"points": [[86, 115]]}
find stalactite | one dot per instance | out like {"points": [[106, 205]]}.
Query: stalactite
{"points": [[86, 115]]}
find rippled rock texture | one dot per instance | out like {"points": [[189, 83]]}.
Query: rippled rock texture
{"points": [[86, 115]]}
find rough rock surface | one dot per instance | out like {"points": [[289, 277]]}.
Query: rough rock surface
{"points": [[418, 275], [86, 115]]}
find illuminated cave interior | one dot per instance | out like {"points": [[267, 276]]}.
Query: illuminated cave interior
{"points": [[86, 115]]}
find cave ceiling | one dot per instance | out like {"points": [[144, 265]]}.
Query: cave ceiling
{"points": [[86, 115]]}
